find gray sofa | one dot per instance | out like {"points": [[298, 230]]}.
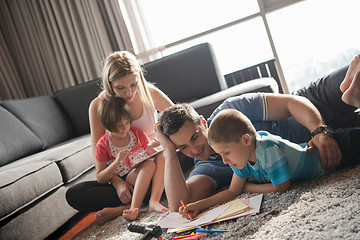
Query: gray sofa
{"points": [[45, 147], [45, 143]]}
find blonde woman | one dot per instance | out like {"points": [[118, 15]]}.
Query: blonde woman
{"points": [[122, 76]]}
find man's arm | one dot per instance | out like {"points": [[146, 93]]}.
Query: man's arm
{"points": [[280, 106], [175, 186]]}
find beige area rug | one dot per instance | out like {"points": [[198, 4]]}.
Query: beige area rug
{"points": [[326, 208]]}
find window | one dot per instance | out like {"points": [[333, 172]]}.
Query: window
{"points": [[314, 38], [170, 21], [236, 47], [308, 38]]}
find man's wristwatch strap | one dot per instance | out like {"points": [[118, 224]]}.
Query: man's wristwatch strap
{"points": [[323, 129]]}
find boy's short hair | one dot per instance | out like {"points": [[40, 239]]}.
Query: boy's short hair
{"points": [[111, 110], [174, 117], [228, 126]]}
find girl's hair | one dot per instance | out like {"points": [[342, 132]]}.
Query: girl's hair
{"points": [[119, 64], [228, 126], [111, 110]]}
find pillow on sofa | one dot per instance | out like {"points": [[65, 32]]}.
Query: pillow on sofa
{"points": [[43, 116], [16, 140], [75, 102], [187, 75]]}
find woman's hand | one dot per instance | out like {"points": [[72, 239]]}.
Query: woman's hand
{"points": [[124, 190]]}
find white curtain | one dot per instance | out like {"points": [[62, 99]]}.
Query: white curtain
{"points": [[48, 45], [145, 48]]}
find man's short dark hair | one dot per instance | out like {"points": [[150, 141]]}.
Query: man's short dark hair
{"points": [[173, 118]]}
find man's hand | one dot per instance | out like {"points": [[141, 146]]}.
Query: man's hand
{"points": [[164, 140], [329, 150]]}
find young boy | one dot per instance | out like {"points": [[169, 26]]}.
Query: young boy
{"points": [[270, 162]]}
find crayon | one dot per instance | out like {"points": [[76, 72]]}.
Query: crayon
{"points": [[182, 203]]}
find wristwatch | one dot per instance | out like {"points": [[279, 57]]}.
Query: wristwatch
{"points": [[323, 129]]}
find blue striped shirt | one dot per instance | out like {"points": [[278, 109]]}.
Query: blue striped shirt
{"points": [[279, 160]]}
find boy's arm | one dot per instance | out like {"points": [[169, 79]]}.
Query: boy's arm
{"points": [[235, 189], [267, 187]]}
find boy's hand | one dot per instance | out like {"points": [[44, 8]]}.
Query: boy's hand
{"points": [[192, 208]]}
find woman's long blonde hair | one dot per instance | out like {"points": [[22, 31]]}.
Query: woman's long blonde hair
{"points": [[117, 65]]}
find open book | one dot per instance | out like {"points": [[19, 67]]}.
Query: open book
{"points": [[174, 222]]}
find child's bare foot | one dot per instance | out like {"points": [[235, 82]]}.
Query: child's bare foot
{"points": [[352, 95], [130, 214], [354, 67], [108, 214], [156, 207]]}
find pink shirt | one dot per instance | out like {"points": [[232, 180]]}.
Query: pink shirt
{"points": [[106, 151]]}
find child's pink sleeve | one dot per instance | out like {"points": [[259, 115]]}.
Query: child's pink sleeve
{"points": [[102, 150], [142, 138]]}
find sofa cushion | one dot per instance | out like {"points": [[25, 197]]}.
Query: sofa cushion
{"points": [[73, 157], [187, 75], [16, 139], [41, 219], [44, 117], [75, 102], [24, 181]]}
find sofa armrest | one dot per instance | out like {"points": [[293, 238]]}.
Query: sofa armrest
{"points": [[206, 105]]}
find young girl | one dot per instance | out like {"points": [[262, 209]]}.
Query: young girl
{"points": [[122, 76], [120, 148]]}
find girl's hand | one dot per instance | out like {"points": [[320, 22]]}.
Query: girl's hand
{"points": [[122, 156], [192, 208], [151, 149]]}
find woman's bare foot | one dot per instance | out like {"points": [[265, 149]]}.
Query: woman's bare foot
{"points": [[156, 207], [354, 67], [352, 95], [131, 214], [108, 214]]}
